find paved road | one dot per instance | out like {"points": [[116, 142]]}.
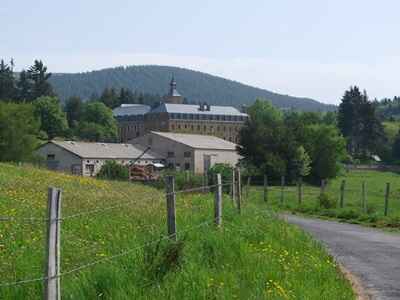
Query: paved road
{"points": [[371, 255]]}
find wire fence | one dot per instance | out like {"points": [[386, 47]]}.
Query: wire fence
{"points": [[53, 220], [367, 197]]}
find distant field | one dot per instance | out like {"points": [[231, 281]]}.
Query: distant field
{"points": [[353, 211], [253, 256]]}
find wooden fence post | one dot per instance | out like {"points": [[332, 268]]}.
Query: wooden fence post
{"points": [[233, 187], [248, 187], [300, 190], [171, 200], [218, 202], [265, 188], [52, 283], [387, 198], [205, 184], [342, 187], [239, 191], [322, 186], [282, 188], [364, 197]]}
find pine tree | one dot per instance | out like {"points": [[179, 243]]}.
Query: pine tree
{"points": [[7, 81], [38, 74], [24, 87]]}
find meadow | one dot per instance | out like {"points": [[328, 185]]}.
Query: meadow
{"points": [[353, 210], [113, 245]]}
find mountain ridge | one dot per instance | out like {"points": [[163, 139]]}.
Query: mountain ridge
{"points": [[194, 85]]}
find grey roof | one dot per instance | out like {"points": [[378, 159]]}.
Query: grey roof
{"points": [[131, 110], [198, 141], [194, 109], [106, 150]]}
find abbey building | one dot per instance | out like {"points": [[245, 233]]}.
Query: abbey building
{"points": [[172, 115]]}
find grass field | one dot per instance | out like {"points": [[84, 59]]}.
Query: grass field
{"points": [[353, 211], [253, 256]]}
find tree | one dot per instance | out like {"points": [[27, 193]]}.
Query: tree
{"points": [[38, 74], [7, 81], [359, 123], [110, 98], [301, 163], [18, 131], [53, 120], [265, 141], [396, 147], [73, 108], [326, 148], [97, 123], [24, 87]]}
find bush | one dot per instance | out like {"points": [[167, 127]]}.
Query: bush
{"points": [[348, 214], [113, 171], [183, 180], [226, 175], [326, 202]]}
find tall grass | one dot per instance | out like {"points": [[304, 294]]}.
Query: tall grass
{"points": [[252, 256]]}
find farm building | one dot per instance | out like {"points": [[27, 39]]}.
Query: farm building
{"points": [[190, 152], [83, 158]]}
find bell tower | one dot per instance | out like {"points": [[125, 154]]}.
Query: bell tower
{"points": [[173, 95]]}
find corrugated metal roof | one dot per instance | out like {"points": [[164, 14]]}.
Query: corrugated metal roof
{"points": [[194, 109], [131, 110], [198, 141], [106, 150]]}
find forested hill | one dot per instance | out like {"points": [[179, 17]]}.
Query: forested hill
{"points": [[195, 86]]}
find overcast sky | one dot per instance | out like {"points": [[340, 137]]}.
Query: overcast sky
{"points": [[312, 48]]}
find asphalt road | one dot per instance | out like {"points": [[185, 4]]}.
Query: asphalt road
{"points": [[371, 255]]}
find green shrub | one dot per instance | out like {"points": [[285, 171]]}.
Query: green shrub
{"points": [[326, 201], [183, 180], [113, 171], [348, 214], [226, 175], [328, 213]]}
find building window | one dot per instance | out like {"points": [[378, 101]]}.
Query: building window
{"points": [[171, 154], [51, 156], [205, 128], [185, 126], [187, 166], [198, 127], [90, 169], [179, 126], [187, 154]]}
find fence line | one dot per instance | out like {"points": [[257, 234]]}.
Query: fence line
{"points": [[53, 274]]}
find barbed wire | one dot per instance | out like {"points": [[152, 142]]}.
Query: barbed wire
{"points": [[128, 251], [109, 258]]}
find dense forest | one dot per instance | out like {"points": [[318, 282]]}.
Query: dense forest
{"points": [[194, 86]]}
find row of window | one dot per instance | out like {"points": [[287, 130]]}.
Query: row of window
{"points": [[205, 127], [181, 116]]}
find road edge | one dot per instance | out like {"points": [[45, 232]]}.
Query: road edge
{"points": [[359, 290]]}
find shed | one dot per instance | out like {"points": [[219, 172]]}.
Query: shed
{"points": [[84, 158]]}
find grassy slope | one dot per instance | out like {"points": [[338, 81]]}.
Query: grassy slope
{"points": [[253, 256], [352, 211]]}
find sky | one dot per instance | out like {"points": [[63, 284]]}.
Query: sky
{"points": [[308, 48]]}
